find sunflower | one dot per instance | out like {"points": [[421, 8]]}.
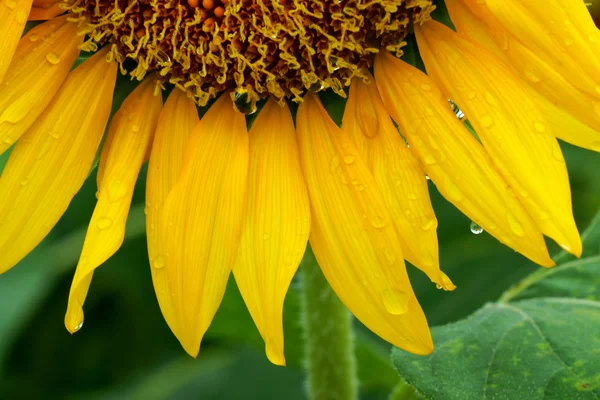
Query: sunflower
{"points": [[221, 198]]}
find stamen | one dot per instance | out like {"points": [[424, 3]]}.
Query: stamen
{"points": [[255, 48]]}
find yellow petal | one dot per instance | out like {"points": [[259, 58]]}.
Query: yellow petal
{"points": [[45, 13], [574, 115], [202, 216], [41, 63], [13, 17], [399, 177], [276, 224], [561, 33], [177, 120], [513, 130], [352, 234], [52, 160], [453, 159], [131, 135]]}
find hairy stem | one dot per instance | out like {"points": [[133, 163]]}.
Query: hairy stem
{"points": [[330, 359]]}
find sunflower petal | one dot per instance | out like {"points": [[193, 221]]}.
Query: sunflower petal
{"points": [[399, 177], [52, 160], [132, 134], [175, 125], [202, 217], [453, 159], [511, 127], [47, 52], [574, 115], [352, 234], [45, 13], [276, 224], [561, 33], [13, 17]]}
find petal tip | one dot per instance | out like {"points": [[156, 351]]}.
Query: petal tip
{"points": [[74, 318], [275, 354], [191, 345]]}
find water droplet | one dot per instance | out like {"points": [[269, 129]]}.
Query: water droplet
{"points": [[568, 40], [78, 327], [427, 177], [33, 38], [159, 262], [426, 87], [394, 301], [7, 139], [24, 181], [531, 76], [476, 229], [135, 128], [428, 225], [411, 195], [490, 99], [471, 95], [514, 225], [53, 58], [349, 158], [10, 4], [104, 223], [566, 247], [243, 103]]}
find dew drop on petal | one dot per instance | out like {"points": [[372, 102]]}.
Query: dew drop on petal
{"points": [[53, 58], [158, 262], [78, 327], [476, 229], [394, 301], [104, 223], [349, 158]]}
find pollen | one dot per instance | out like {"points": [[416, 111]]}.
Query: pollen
{"points": [[252, 48]]}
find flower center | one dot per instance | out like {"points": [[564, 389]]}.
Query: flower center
{"points": [[256, 48]]}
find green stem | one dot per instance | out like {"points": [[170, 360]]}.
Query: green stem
{"points": [[330, 359]]}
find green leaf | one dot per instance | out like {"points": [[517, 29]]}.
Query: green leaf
{"points": [[533, 349], [539, 341], [579, 278]]}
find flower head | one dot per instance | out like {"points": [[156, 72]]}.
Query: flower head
{"points": [[221, 198]]}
